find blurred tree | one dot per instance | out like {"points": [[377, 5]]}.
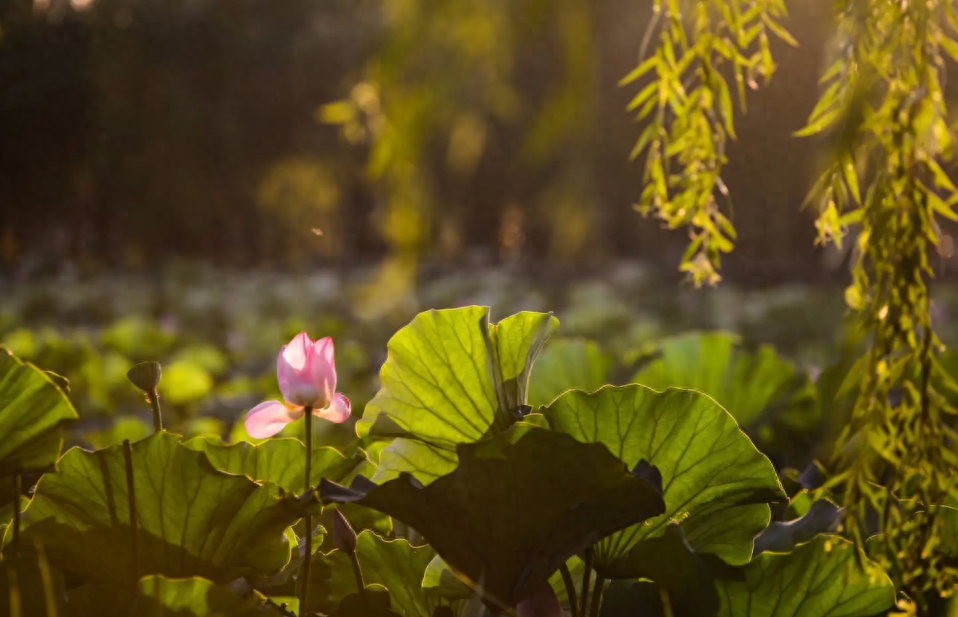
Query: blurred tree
{"points": [[136, 131]]}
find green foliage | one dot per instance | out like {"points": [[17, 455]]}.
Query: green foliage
{"points": [[191, 520], [766, 394], [395, 565], [567, 364], [715, 481], [281, 462], [33, 413], [194, 597], [186, 382], [413, 112], [745, 382], [822, 577], [885, 106], [451, 378], [688, 114], [624, 483], [579, 492]]}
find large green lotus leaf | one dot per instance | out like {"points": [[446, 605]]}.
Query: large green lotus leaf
{"points": [[331, 579], [158, 596], [748, 384], [442, 581], [396, 565], [687, 577], [715, 482], [822, 578], [281, 461], [425, 461], [192, 520], [516, 343], [819, 579], [33, 413], [451, 378], [567, 365], [195, 597], [515, 508]]}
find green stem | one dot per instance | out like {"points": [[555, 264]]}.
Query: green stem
{"points": [[131, 497], [358, 573], [16, 512], [597, 595], [570, 589], [46, 580], [308, 520], [666, 604], [586, 575], [157, 416]]}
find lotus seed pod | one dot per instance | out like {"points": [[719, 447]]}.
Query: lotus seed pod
{"points": [[145, 376]]}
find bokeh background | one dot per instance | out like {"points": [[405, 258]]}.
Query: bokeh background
{"points": [[134, 131], [195, 181]]}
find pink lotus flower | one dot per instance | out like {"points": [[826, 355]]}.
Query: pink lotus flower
{"points": [[306, 371]]}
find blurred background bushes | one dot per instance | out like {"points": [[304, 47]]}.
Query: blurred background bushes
{"points": [[305, 132], [196, 181]]}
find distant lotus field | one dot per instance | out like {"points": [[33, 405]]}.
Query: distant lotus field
{"points": [[261, 444]]}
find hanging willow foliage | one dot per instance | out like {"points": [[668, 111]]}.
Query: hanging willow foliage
{"points": [[884, 104], [689, 115]]}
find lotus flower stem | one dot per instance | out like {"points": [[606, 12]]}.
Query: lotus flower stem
{"points": [[46, 578], [666, 604], [570, 589], [597, 595], [586, 575], [308, 520], [157, 416], [358, 573], [131, 497], [16, 512]]}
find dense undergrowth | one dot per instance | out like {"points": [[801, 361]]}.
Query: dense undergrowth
{"points": [[492, 469]]}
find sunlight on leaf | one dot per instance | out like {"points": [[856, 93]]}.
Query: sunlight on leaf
{"points": [[478, 516], [567, 365], [754, 386], [33, 413], [716, 483], [192, 520], [195, 597], [451, 378], [394, 564], [281, 461]]}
